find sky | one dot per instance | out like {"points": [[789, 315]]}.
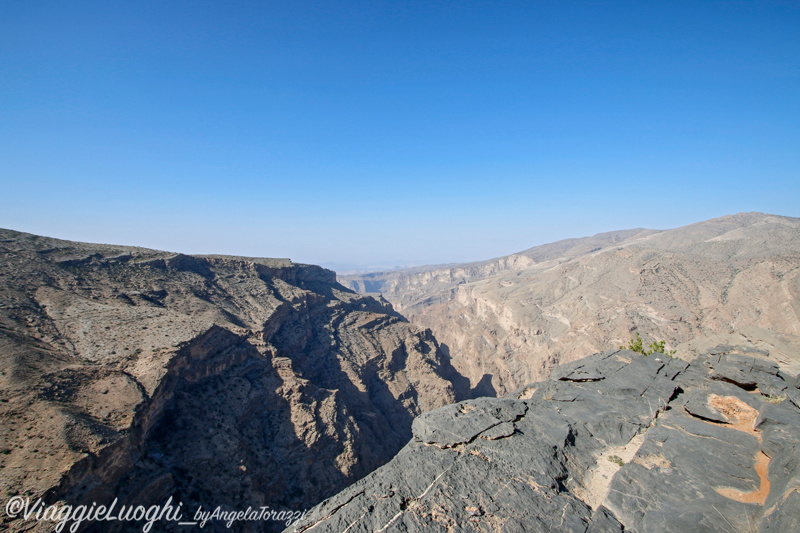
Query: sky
{"points": [[371, 134]]}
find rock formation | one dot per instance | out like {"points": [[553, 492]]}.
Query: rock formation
{"points": [[509, 321], [237, 382], [139, 374], [613, 442]]}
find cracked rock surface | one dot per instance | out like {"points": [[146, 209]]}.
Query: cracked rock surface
{"points": [[613, 442]]}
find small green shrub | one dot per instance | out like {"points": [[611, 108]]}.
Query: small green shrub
{"points": [[636, 345], [616, 460]]}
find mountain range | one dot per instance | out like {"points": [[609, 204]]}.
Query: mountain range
{"points": [[509, 321], [452, 397]]}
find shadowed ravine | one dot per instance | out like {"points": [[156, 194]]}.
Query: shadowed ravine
{"points": [[220, 381]]}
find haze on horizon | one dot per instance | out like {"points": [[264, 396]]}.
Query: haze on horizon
{"points": [[392, 133]]}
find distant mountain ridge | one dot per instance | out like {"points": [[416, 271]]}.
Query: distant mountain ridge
{"points": [[732, 279], [462, 272]]}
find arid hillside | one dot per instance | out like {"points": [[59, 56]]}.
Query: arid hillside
{"points": [[139, 374], [509, 321]]}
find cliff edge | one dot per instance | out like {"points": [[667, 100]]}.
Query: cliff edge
{"points": [[220, 381], [613, 442]]}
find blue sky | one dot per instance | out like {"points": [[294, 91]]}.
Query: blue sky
{"points": [[392, 133]]}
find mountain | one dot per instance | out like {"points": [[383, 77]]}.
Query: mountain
{"points": [[509, 321], [238, 382], [614, 442], [138, 374]]}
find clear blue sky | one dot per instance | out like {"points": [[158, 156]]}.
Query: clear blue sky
{"points": [[392, 132]]}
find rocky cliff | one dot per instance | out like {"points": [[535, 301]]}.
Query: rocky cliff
{"points": [[139, 374], [509, 321], [614, 442]]}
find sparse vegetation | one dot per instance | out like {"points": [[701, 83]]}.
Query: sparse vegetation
{"points": [[636, 345], [617, 460], [774, 399]]}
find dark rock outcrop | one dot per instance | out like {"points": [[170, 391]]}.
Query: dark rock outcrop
{"points": [[614, 442]]}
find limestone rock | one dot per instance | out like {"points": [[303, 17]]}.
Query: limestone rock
{"points": [[648, 444], [459, 424]]}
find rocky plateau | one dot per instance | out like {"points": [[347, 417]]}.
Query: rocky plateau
{"points": [[614, 442]]}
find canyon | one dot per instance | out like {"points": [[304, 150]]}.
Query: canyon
{"points": [[485, 396], [509, 321], [221, 381]]}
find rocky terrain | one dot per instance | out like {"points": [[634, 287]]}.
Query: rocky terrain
{"points": [[238, 382], [614, 442], [229, 381], [510, 321]]}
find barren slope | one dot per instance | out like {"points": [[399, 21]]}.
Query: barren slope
{"points": [[511, 320], [139, 374]]}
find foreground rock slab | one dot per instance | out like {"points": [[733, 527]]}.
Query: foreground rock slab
{"points": [[614, 442]]}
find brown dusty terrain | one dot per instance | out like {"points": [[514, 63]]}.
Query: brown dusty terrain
{"points": [[507, 322], [140, 374], [743, 418]]}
